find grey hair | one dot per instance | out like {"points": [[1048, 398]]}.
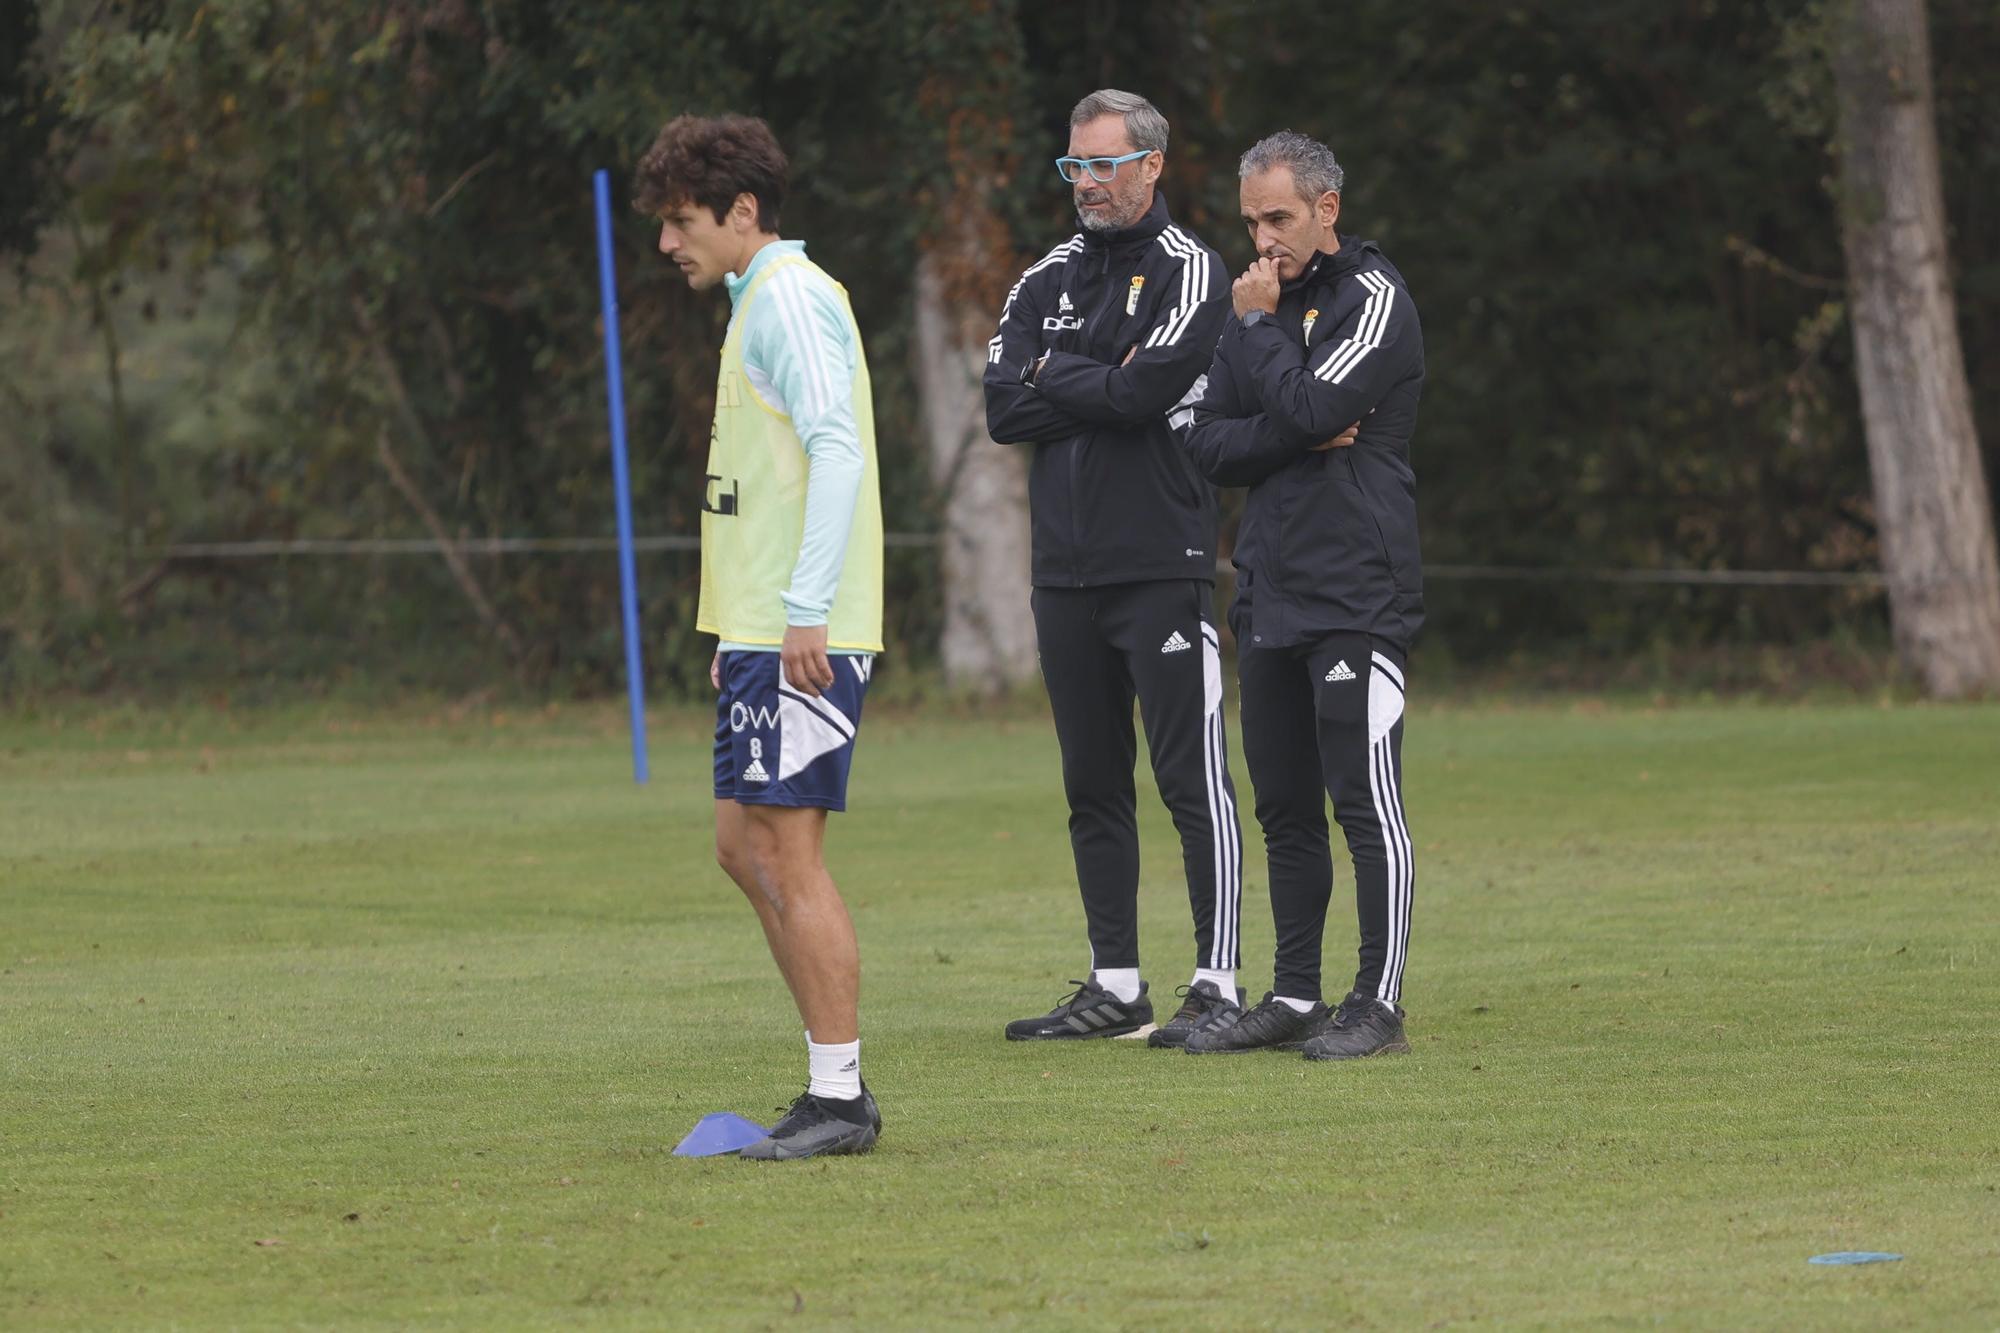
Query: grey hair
{"points": [[1144, 125], [1314, 170]]}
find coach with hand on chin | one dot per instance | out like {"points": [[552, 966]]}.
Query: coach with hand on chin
{"points": [[1329, 584]]}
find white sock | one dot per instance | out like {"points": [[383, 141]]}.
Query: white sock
{"points": [[835, 1069], [1296, 1006], [1225, 982], [1122, 982]]}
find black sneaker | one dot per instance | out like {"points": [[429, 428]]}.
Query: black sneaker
{"points": [[1087, 1011], [1203, 1007], [820, 1127], [1361, 1027], [1272, 1024]]}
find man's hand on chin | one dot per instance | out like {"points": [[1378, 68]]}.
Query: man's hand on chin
{"points": [[1257, 289]]}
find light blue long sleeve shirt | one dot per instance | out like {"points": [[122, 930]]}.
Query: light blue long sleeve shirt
{"points": [[800, 355]]}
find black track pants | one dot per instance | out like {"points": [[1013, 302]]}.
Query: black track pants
{"points": [[1327, 717], [1100, 647]]}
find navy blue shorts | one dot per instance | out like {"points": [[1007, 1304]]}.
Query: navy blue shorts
{"points": [[775, 745]]}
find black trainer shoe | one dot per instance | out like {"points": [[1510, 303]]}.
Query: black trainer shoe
{"points": [[1087, 1011], [820, 1127], [1361, 1027], [1272, 1024], [1204, 1006]]}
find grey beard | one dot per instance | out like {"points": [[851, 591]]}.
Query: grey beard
{"points": [[1105, 221]]}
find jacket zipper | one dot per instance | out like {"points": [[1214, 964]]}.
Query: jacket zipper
{"points": [[1103, 315], [1280, 508], [1076, 450]]}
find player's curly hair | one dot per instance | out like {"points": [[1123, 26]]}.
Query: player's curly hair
{"points": [[710, 160]]}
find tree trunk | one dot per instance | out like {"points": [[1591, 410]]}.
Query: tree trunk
{"points": [[454, 558], [989, 636], [125, 446], [1933, 508], [406, 486]]}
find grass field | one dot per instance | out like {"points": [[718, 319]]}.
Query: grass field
{"points": [[391, 1021]]}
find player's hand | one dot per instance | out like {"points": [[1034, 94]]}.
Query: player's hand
{"points": [[1129, 355], [1257, 289], [715, 672], [804, 659], [1340, 441]]}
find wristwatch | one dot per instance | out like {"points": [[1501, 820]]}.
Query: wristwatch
{"points": [[1250, 318]]}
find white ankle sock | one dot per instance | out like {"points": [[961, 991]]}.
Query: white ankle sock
{"points": [[1296, 1006], [1225, 982], [835, 1069], [1120, 981]]}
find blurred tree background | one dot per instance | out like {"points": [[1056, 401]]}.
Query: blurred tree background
{"points": [[280, 270]]}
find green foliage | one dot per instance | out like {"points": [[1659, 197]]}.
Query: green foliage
{"points": [[1609, 384], [27, 130], [1614, 221]]}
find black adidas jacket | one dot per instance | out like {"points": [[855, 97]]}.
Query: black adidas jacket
{"points": [[1329, 539], [1111, 495]]}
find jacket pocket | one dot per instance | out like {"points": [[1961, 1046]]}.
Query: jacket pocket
{"points": [[1049, 505], [1179, 480], [1330, 539], [1373, 500], [1344, 469]]}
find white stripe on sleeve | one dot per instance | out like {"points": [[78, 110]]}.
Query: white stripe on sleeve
{"points": [[1194, 287], [1368, 333], [1059, 255]]}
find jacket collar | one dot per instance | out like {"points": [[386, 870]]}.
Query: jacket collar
{"points": [[1324, 267], [737, 284]]}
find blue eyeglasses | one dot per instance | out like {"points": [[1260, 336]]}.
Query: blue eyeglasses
{"points": [[1101, 169]]}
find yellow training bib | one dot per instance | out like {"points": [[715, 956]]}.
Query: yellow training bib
{"points": [[753, 512]]}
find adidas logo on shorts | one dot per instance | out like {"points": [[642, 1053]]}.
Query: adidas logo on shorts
{"points": [[756, 772], [1175, 644], [1340, 671]]}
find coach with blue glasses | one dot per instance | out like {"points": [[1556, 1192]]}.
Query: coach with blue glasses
{"points": [[1099, 341]]}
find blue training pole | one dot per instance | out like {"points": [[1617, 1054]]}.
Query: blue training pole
{"points": [[621, 477]]}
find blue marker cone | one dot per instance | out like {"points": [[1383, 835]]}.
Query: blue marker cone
{"points": [[1854, 1257], [717, 1133]]}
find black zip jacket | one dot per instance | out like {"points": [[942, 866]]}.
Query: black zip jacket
{"points": [[1111, 496], [1329, 539]]}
